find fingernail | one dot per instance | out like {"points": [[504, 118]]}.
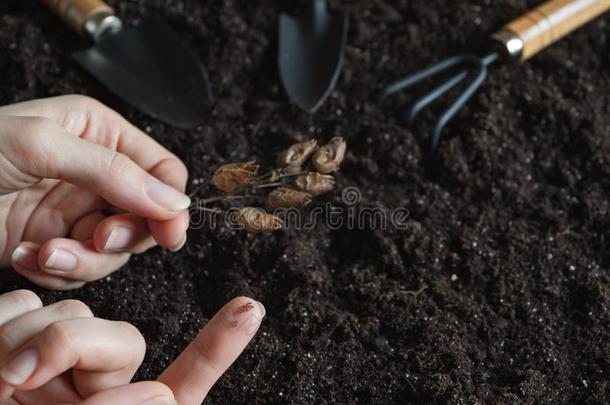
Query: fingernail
{"points": [[61, 260], [251, 325], [163, 400], [187, 221], [26, 256], [119, 239], [19, 254], [20, 368], [180, 245], [262, 307], [166, 196]]}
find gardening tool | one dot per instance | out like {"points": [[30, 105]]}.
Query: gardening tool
{"points": [[519, 40], [147, 66], [311, 53]]}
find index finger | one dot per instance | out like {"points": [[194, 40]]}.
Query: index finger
{"points": [[89, 119], [216, 347]]}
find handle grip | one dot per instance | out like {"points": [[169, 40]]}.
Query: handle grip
{"points": [[539, 28], [87, 17]]}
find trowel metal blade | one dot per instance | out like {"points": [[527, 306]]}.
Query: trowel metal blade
{"points": [[311, 53], [150, 68]]}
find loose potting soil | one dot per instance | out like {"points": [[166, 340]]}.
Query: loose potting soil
{"points": [[494, 290]]}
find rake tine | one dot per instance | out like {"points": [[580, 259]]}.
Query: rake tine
{"points": [[468, 92], [429, 98], [455, 107], [416, 77]]}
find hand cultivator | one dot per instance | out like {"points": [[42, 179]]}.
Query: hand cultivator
{"points": [[519, 40]]}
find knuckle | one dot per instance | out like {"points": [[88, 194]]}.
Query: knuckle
{"points": [[33, 134], [35, 126], [116, 164], [83, 101], [75, 309], [182, 169], [33, 143], [203, 355], [136, 339], [26, 300], [8, 340], [57, 335], [59, 342]]}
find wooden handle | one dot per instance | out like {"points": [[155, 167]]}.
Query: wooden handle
{"points": [[551, 21], [76, 13]]}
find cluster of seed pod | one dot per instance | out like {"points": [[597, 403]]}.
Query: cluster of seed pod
{"points": [[304, 173]]}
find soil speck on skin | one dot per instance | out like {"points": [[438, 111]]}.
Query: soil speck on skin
{"points": [[243, 308], [516, 205]]}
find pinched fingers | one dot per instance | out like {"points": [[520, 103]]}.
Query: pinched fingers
{"points": [[64, 263], [67, 263], [133, 234]]}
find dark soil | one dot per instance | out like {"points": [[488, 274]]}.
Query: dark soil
{"points": [[499, 290]]}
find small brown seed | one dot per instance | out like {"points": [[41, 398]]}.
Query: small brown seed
{"points": [[284, 197], [328, 158], [297, 154], [315, 183], [233, 176], [256, 220]]}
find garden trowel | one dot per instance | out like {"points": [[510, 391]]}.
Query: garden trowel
{"points": [[311, 52], [147, 66]]}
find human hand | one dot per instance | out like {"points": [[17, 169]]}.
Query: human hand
{"points": [[62, 354], [65, 161]]}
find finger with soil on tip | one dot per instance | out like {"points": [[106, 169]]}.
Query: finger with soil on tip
{"points": [[216, 347]]}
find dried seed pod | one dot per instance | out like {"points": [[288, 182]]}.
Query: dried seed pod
{"points": [[232, 176], [328, 158], [297, 154], [284, 197], [315, 183], [256, 220]]}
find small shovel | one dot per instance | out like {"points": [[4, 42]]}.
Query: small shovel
{"points": [[147, 66], [311, 53]]}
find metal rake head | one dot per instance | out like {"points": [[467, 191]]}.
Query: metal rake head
{"points": [[473, 66]]}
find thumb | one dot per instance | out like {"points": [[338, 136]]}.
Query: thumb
{"points": [[39, 148], [143, 393]]}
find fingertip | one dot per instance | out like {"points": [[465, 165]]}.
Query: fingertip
{"points": [[154, 388], [44, 279], [245, 304], [165, 196], [57, 257], [180, 245], [26, 255], [241, 317], [171, 234], [214, 349], [122, 233], [76, 261], [172, 171]]}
